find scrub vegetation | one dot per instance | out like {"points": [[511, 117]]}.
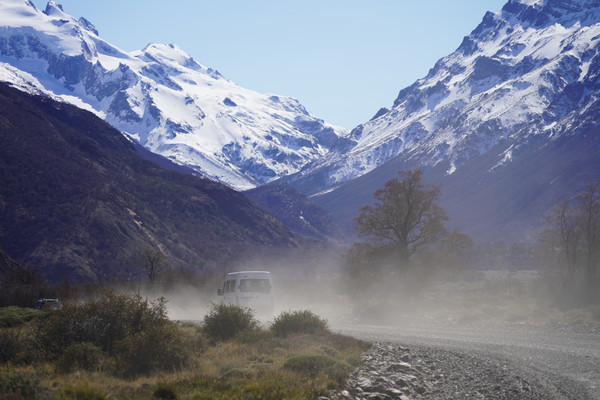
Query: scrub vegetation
{"points": [[124, 347]]}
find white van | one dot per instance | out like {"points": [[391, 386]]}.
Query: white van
{"points": [[252, 289]]}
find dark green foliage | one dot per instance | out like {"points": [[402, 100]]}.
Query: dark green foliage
{"points": [[80, 356], [15, 316], [313, 365], [17, 385], [81, 393], [158, 347], [134, 331], [101, 321], [165, 391], [305, 321], [225, 321], [10, 346]]}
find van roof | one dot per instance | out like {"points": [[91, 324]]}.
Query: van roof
{"points": [[248, 272]]}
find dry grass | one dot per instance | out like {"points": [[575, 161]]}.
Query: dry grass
{"points": [[505, 300], [249, 366]]}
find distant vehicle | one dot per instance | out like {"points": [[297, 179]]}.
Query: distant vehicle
{"points": [[47, 304], [252, 289]]}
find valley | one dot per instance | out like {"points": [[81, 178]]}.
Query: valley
{"points": [[458, 230]]}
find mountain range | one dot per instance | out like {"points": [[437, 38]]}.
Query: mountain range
{"points": [[77, 200], [508, 123], [161, 98]]}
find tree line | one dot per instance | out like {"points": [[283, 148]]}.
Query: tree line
{"points": [[571, 242], [404, 234]]}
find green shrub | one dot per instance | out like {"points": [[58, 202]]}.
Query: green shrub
{"points": [[10, 346], [81, 393], [313, 365], [304, 321], [80, 356], [135, 332], [254, 336], [225, 321], [157, 348], [16, 385], [165, 391], [18, 347], [102, 322], [15, 316]]}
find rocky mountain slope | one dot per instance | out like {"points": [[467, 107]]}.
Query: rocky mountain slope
{"points": [[7, 264], [161, 97], [297, 212], [508, 123], [76, 200]]}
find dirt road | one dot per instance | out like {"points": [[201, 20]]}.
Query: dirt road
{"points": [[499, 361]]}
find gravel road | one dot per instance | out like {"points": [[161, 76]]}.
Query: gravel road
{"points": [[485, 361]]}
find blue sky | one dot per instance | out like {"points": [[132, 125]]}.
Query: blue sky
{"points": [[343, 59]]}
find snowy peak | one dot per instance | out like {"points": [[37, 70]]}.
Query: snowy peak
{"points": [[162, 98], [508, 123], [55, 10], [542, 13], [529, 70], [24, 8], [84, 23], [172, 56], [167, 53]]}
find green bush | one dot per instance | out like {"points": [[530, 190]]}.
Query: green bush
{"points": [[16, 385], [15, 316], [313, 365], [135, 332], [304, 321], [157, 348], [18, 347], [81, 393], [10, 346], [102, 322], [165, 391], [80, 356], [225, 321]]}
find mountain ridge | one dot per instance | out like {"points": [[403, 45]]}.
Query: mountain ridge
{"points": [[77, 200], [162, 98], [470, 100], [520, 78]]}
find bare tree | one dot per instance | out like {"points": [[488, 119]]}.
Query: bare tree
{"points": [[154, 263], [589, 221], [573, 232], [564, 235], [406, 215]]}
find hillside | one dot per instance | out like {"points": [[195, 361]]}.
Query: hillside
{"points": [[76, 200], [297, 212]]}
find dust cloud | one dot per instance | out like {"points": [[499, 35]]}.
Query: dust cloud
{"points": [[423, 294]]}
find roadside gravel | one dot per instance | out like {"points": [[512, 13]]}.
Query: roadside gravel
{"points": [[480, 366], [396, 372]]}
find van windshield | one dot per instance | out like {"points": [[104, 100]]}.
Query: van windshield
{"points": [[255, 285]]}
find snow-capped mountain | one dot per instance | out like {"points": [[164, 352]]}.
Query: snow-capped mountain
{"points": [[529, 70], [509, 123], [160, 97]]}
